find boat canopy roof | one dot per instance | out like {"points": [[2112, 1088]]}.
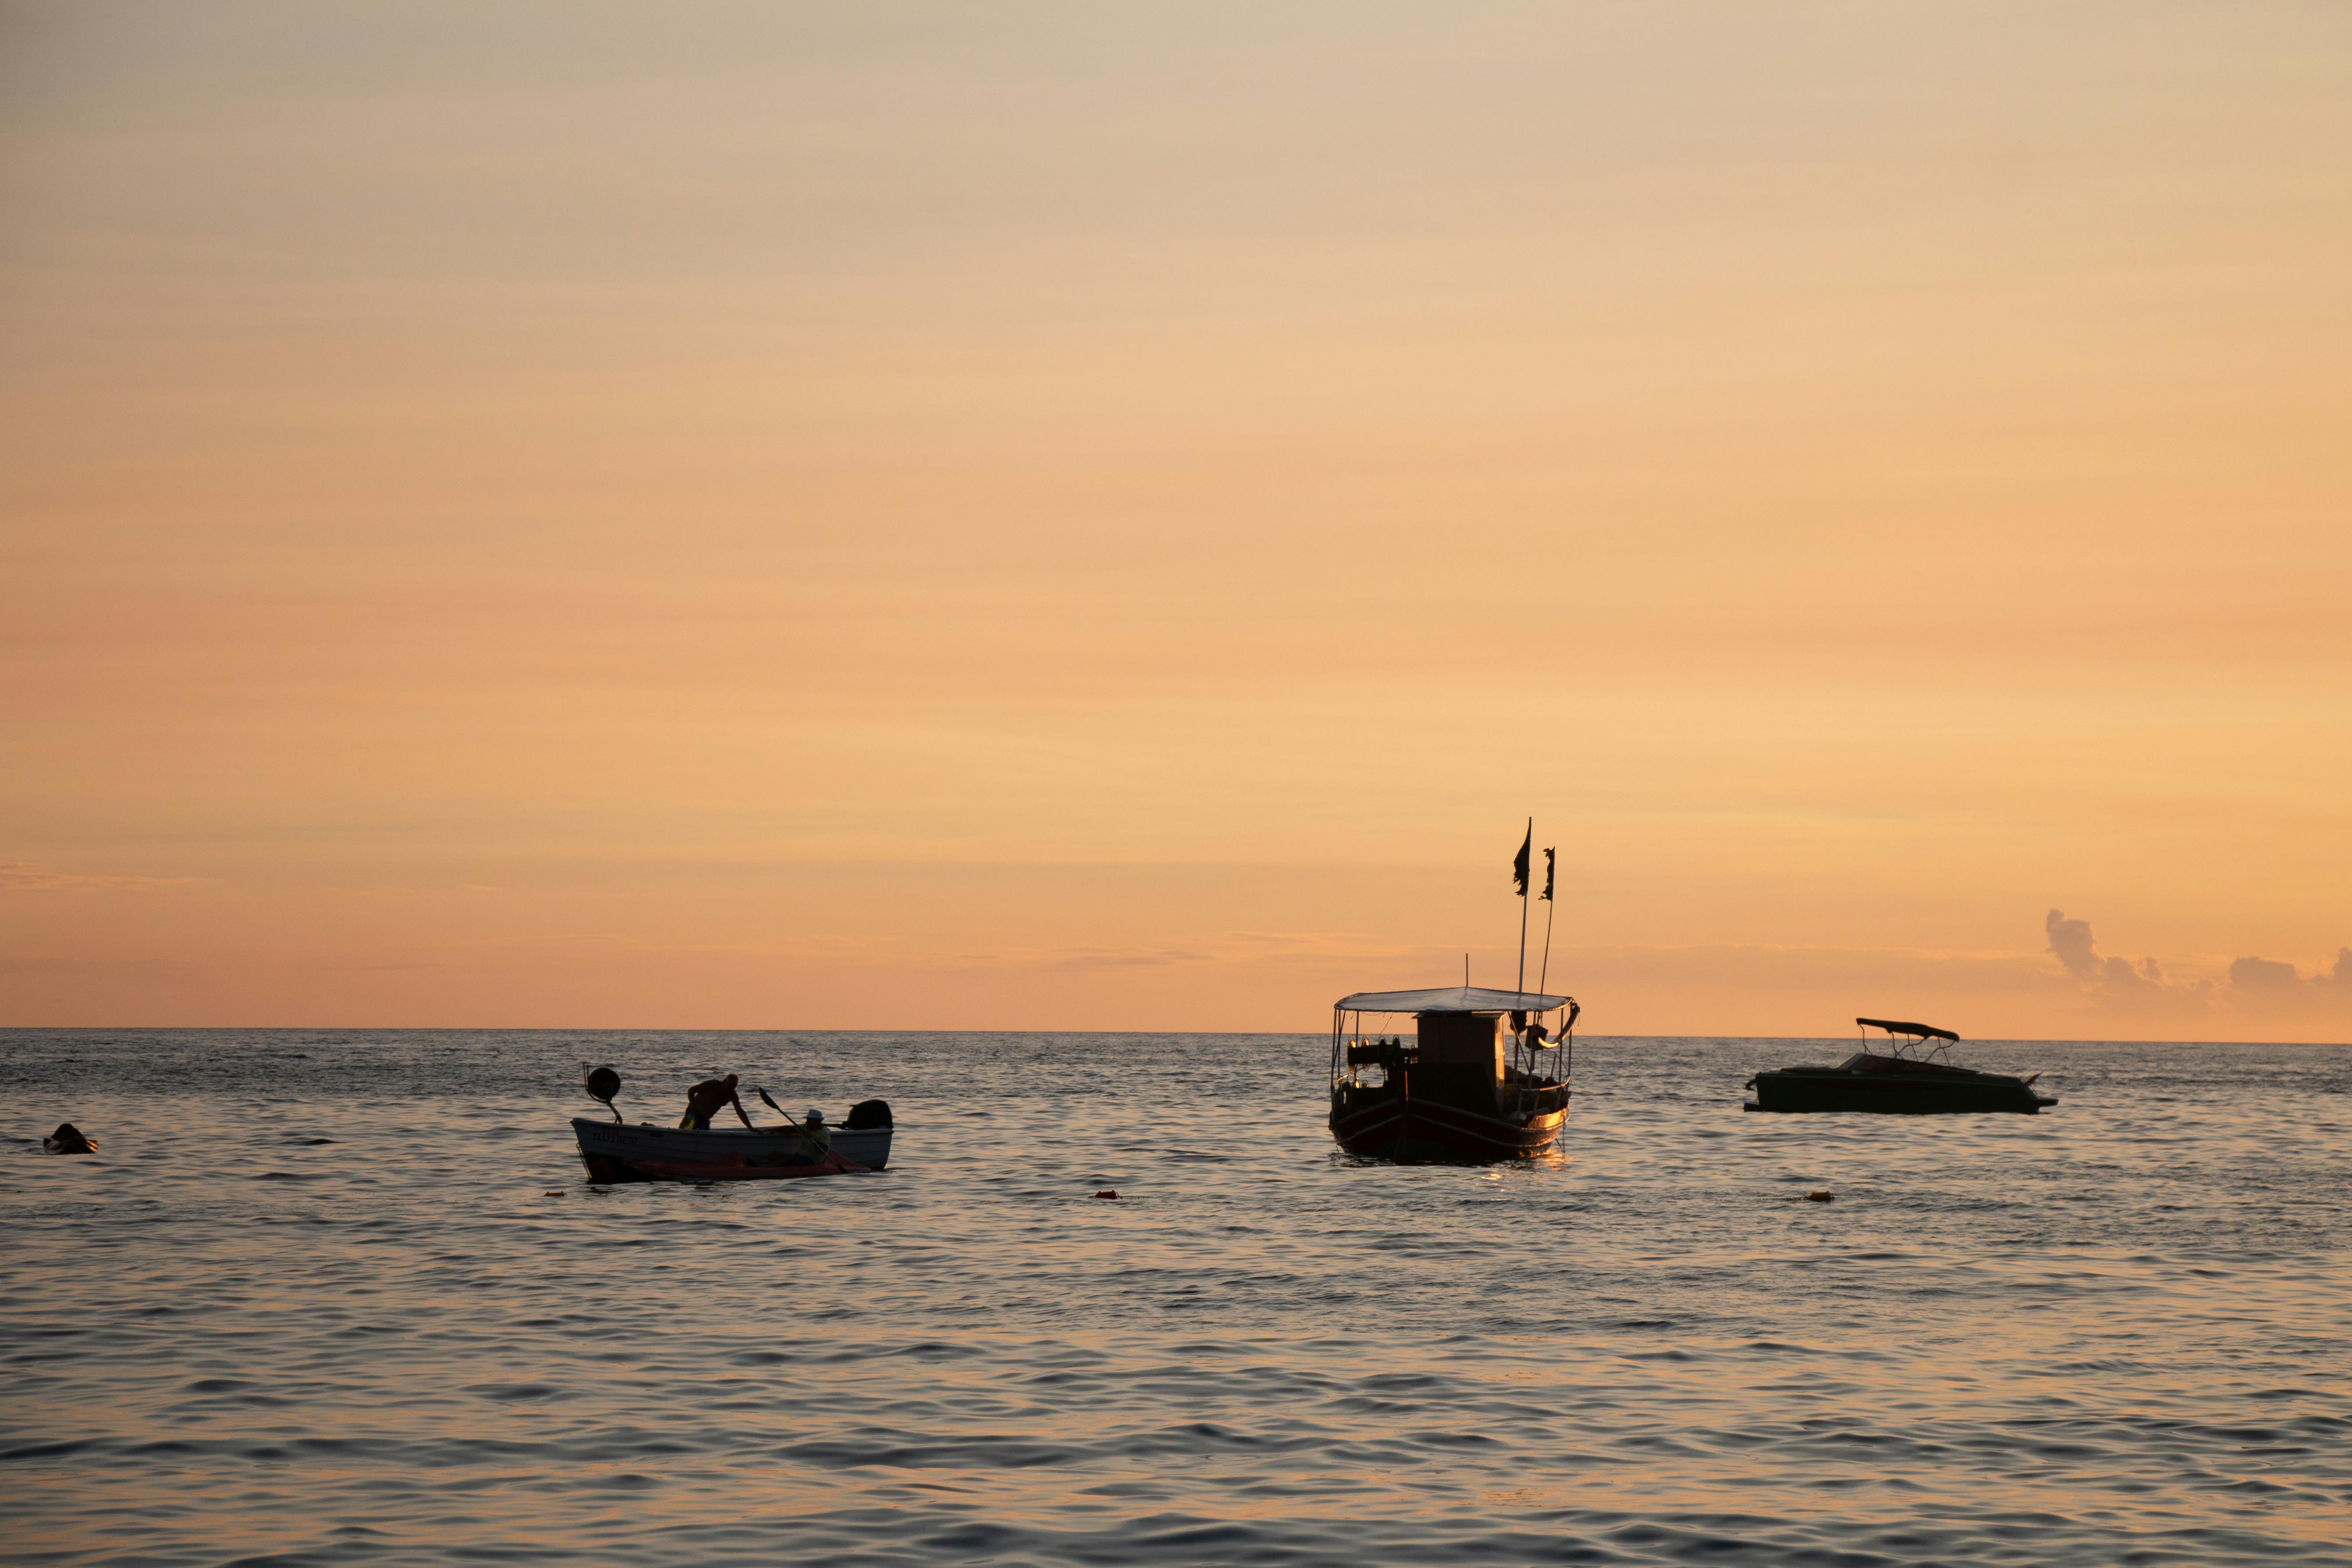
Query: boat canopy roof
{"points": [[1450, 999], [1924, 1031]]}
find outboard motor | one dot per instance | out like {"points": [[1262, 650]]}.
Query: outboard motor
{"points": [[601, 1084], [869, 1113]]}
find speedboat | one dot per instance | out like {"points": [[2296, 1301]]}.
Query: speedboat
{"points": [[618, 1150], [1478, 1075], [1912, 1075]]}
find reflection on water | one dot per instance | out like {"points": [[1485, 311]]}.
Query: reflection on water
{"points": [[346, 1297]]}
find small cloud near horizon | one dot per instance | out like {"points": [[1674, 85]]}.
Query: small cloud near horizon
{"points": [[2270, 978], [2071, 941], [2251, 979]]}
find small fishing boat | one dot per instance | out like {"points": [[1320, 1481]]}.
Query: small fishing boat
{"points": [[1912, 1075], [1480, 1074], [618, 1150]]}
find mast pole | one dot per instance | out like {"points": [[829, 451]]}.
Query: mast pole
{"points": [[1551, 909], [1551, 912], [1523, 910]]}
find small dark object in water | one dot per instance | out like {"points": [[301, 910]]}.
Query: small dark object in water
{"points": [[1820, 1197], [556, 1194], [1107, 1192], [69, 1139], [869, 1113]]}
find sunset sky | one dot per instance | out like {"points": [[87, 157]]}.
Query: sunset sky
{"points": [[1092, 516]]}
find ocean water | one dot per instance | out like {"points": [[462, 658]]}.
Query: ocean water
{"points": [[346, 1297]]}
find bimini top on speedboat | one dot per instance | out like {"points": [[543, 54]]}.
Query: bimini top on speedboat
{"points": [[1469, 1074], [1912, 1075]]}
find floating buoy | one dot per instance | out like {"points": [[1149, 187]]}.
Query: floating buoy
{"points": [[69, 1139], [1107, 1192], [1820, 1197], [557, 1194]]}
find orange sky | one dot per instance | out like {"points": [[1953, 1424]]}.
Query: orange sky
{"points": [[1110, 517]]}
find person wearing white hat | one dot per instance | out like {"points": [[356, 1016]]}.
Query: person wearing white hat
{"points": [[819, 1136]]}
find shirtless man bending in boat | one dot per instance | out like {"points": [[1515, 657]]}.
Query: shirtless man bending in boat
{"points": [[704, 1099]]}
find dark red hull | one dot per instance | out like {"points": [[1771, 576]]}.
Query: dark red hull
{"points": [[1397, 1129]]}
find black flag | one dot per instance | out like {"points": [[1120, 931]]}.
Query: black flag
{"points": [[1550, 865], [1519, 862]]}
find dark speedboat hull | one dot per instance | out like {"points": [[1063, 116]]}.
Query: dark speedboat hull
{"points": [[617, 1152], [1957, 1092], [1417, 1129]]}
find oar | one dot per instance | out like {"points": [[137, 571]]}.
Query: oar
{"points": [[797, 1127]]}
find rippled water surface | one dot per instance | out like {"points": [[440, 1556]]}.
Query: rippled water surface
{"points": [[347, 1298]]}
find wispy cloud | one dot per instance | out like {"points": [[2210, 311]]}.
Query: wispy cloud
{"points": [[1259, 950], [24, 876], [1131, 958]]}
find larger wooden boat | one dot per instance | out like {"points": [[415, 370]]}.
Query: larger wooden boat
{"points": [[1461, 1073]]}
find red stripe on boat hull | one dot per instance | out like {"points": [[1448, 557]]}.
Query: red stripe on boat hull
{"points": [[605, 1169]]}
